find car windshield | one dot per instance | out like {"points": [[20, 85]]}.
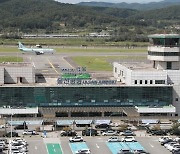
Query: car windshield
{"points": [[128, 137]]}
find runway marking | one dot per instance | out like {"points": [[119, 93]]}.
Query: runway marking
{"points": [[33, 64], [67, 62], [35, 147], [151, 145], [45, 70], [53, 66], [97, 146]]}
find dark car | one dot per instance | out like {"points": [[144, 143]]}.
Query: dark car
{"points": [[68, 133], [89, 132], [20, 127], [176, 151], [158, 132], [125, 151], [102, 126], [14, 134]]}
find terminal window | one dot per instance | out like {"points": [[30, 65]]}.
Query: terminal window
{"points": [[115, 69], [169, 65], [159, 81]]}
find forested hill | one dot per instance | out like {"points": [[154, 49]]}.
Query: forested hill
{"points": [[170, 13], [48, 13], [137, 6], [50, 16]]}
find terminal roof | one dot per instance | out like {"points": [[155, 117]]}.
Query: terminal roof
{"points": [[15, 64], [137, 66], [164, 36]]}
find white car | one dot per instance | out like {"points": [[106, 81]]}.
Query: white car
{"points": [[19, 139], [17, 152], [76, 139], [113, 139], [29, 132], [128, 139], [169, 144], [177, 139], [83, 151], [18, 143], [171, 147], [161, 139], [3, 126], [109, 133]]}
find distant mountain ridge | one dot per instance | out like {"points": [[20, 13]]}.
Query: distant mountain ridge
{"points": [[136, 6]]}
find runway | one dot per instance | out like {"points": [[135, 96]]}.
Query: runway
{"points": [[51, 64]]}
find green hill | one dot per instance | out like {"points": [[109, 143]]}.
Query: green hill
{"points": [[137, 6], [43, 14], [49, 16]]}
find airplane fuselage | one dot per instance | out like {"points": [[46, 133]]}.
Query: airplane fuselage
{"points": [[39, 51]]}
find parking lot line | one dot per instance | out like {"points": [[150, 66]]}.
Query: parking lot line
{"points": [[54, 148], [77, 146]]}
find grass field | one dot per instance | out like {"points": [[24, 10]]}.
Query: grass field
{"points": [[102, 63], [71, 42], [79, 49], [10, 59]]}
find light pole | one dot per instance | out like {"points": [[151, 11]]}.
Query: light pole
{"points": [[11, 128]]}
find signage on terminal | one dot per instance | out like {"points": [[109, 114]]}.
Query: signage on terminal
{"points": [[71, 70], [85, 82]]}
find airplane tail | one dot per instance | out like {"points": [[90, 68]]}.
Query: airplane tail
{"points": [[21, 46]]}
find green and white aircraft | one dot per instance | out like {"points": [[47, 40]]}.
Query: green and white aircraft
{"points": [[37, 51]]}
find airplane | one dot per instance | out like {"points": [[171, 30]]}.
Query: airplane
{"points": [[38, 51]]}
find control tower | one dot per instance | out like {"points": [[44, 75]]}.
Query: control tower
{"points": [[164, 51]]}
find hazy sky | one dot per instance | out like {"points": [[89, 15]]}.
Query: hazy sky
{"points": [[111, 1]]}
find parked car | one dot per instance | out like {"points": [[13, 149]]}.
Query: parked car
{"points": [[20, 127], [83, 151], [173, 146], [109, 133], [76, 139], [176, 151], [128, 139], [3, 126], [169, 144], [127, 133], [14, 134], [158, 132], [140, 152], [161, 139], [89, 132], [125, 151], [3, 139], [30, 132], [102, 126], [166, 141], [2, 146], [68, 133], [114, 139]]}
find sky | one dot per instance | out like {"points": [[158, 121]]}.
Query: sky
{"points": [[111, 1]]}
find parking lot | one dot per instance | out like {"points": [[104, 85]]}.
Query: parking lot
{"points": [[54, 144]]}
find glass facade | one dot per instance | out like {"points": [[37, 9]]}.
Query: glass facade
{"points": [[85, 96]]}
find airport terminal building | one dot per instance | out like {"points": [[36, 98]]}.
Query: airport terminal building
{"points": [[138, 89]]}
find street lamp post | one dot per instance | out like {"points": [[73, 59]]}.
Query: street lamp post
{"points": [[11, 129]]}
